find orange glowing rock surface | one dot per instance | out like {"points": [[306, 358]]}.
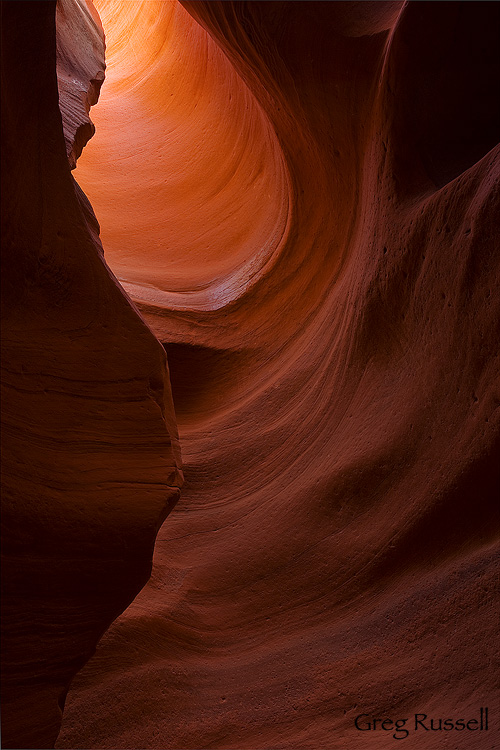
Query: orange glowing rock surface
{"points": [[301, 199], [333, 550], [175, 112]]}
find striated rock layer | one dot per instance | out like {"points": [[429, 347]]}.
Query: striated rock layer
{"points": [[90, 453], [334, 551], [302, 200]]}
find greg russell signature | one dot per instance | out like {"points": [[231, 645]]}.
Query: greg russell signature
{"points": [[401, 728]]}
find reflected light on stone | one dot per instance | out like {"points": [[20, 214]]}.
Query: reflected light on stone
{"points": [[184, 172]]}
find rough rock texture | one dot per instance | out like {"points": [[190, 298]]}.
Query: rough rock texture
{"points": [[90, 454], [335, 550], [80, 70]]}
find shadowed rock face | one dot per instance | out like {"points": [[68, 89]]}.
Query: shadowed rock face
{"points": [[325, 289], [90, 453]]}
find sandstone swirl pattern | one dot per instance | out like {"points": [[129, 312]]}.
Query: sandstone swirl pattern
{"points": [[301, 199], [332, 553]]}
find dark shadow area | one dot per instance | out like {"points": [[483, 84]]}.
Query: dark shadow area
{"points": [[449, 61], [202, 378]]}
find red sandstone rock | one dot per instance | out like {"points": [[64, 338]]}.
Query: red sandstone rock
{"points": [[80, 70], [334, 552], [90, 454]]}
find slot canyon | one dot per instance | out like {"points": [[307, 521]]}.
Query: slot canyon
{"points": [[250, 374]]}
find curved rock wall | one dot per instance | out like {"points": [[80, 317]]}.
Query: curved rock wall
{"points": [[334, 553], [175, 112]]}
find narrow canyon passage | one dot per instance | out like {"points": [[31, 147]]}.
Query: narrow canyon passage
{"points": [[303, 212]]}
